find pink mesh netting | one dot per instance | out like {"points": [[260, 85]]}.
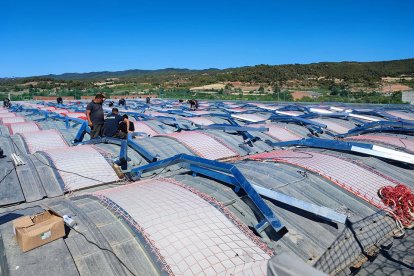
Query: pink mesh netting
{"points": [[203, 145], [189, 235]]}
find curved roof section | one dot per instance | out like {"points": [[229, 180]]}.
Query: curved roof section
{"points": [[404, 143], [335, 125], [43, 140], [23, 127], [11, 120], [280, 133], [203, 145], [186, 231], [360, 180], [7, 114], [80, 167], [401, 114]]}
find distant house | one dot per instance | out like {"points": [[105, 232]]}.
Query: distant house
{"points": [[408, 96]]}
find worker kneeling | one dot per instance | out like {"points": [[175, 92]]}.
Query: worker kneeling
{"points": [[117, 126]]}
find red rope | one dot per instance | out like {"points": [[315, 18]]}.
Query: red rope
{"points": [[401, 200]]}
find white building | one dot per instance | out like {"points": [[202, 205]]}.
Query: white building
{"points": [[408, 96]]}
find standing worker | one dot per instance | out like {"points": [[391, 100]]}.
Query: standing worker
{"points": [[6, 102], [59, 100], [148, 100], [95, 116]]}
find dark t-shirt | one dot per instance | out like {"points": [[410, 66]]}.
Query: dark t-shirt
{"points": [[97, 113], [111, 124], [123, 126]]}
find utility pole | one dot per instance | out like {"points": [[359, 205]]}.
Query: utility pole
{"points": [[389, 92]]}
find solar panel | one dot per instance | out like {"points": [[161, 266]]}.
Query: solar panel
{"points": [[191, 233], [364, 182], [388, 140], [81, 167], [43, 140], [203, 145], [280, 133], [23, 127]]}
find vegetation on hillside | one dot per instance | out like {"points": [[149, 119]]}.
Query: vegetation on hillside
{"points": [[336, 80]]}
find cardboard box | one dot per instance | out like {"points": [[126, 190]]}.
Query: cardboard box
{"points": [[34, 231]]}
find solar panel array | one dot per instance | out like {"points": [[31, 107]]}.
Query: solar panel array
{"points": [[189, 234]]}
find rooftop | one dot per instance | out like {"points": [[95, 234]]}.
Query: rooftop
{"points": [[225, 189]]}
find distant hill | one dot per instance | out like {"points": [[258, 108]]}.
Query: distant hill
{"points": [[125, 74], [352, 71]]}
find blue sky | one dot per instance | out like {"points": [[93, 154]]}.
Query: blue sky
{"points": [[42, 37]]}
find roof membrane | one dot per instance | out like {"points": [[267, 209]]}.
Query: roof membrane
{"points": [[80, 167], [43, 140], [203, 144], [23, 127], [362, 181], [190, 231]]}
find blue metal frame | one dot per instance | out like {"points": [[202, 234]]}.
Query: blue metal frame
{"points": [[230, 174], [16, 108], [321, 143], [216, 170], [314, 127], [247, 137], [354, 147], [81, 131], [381, 126], [295, 119], [293, 107]]}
